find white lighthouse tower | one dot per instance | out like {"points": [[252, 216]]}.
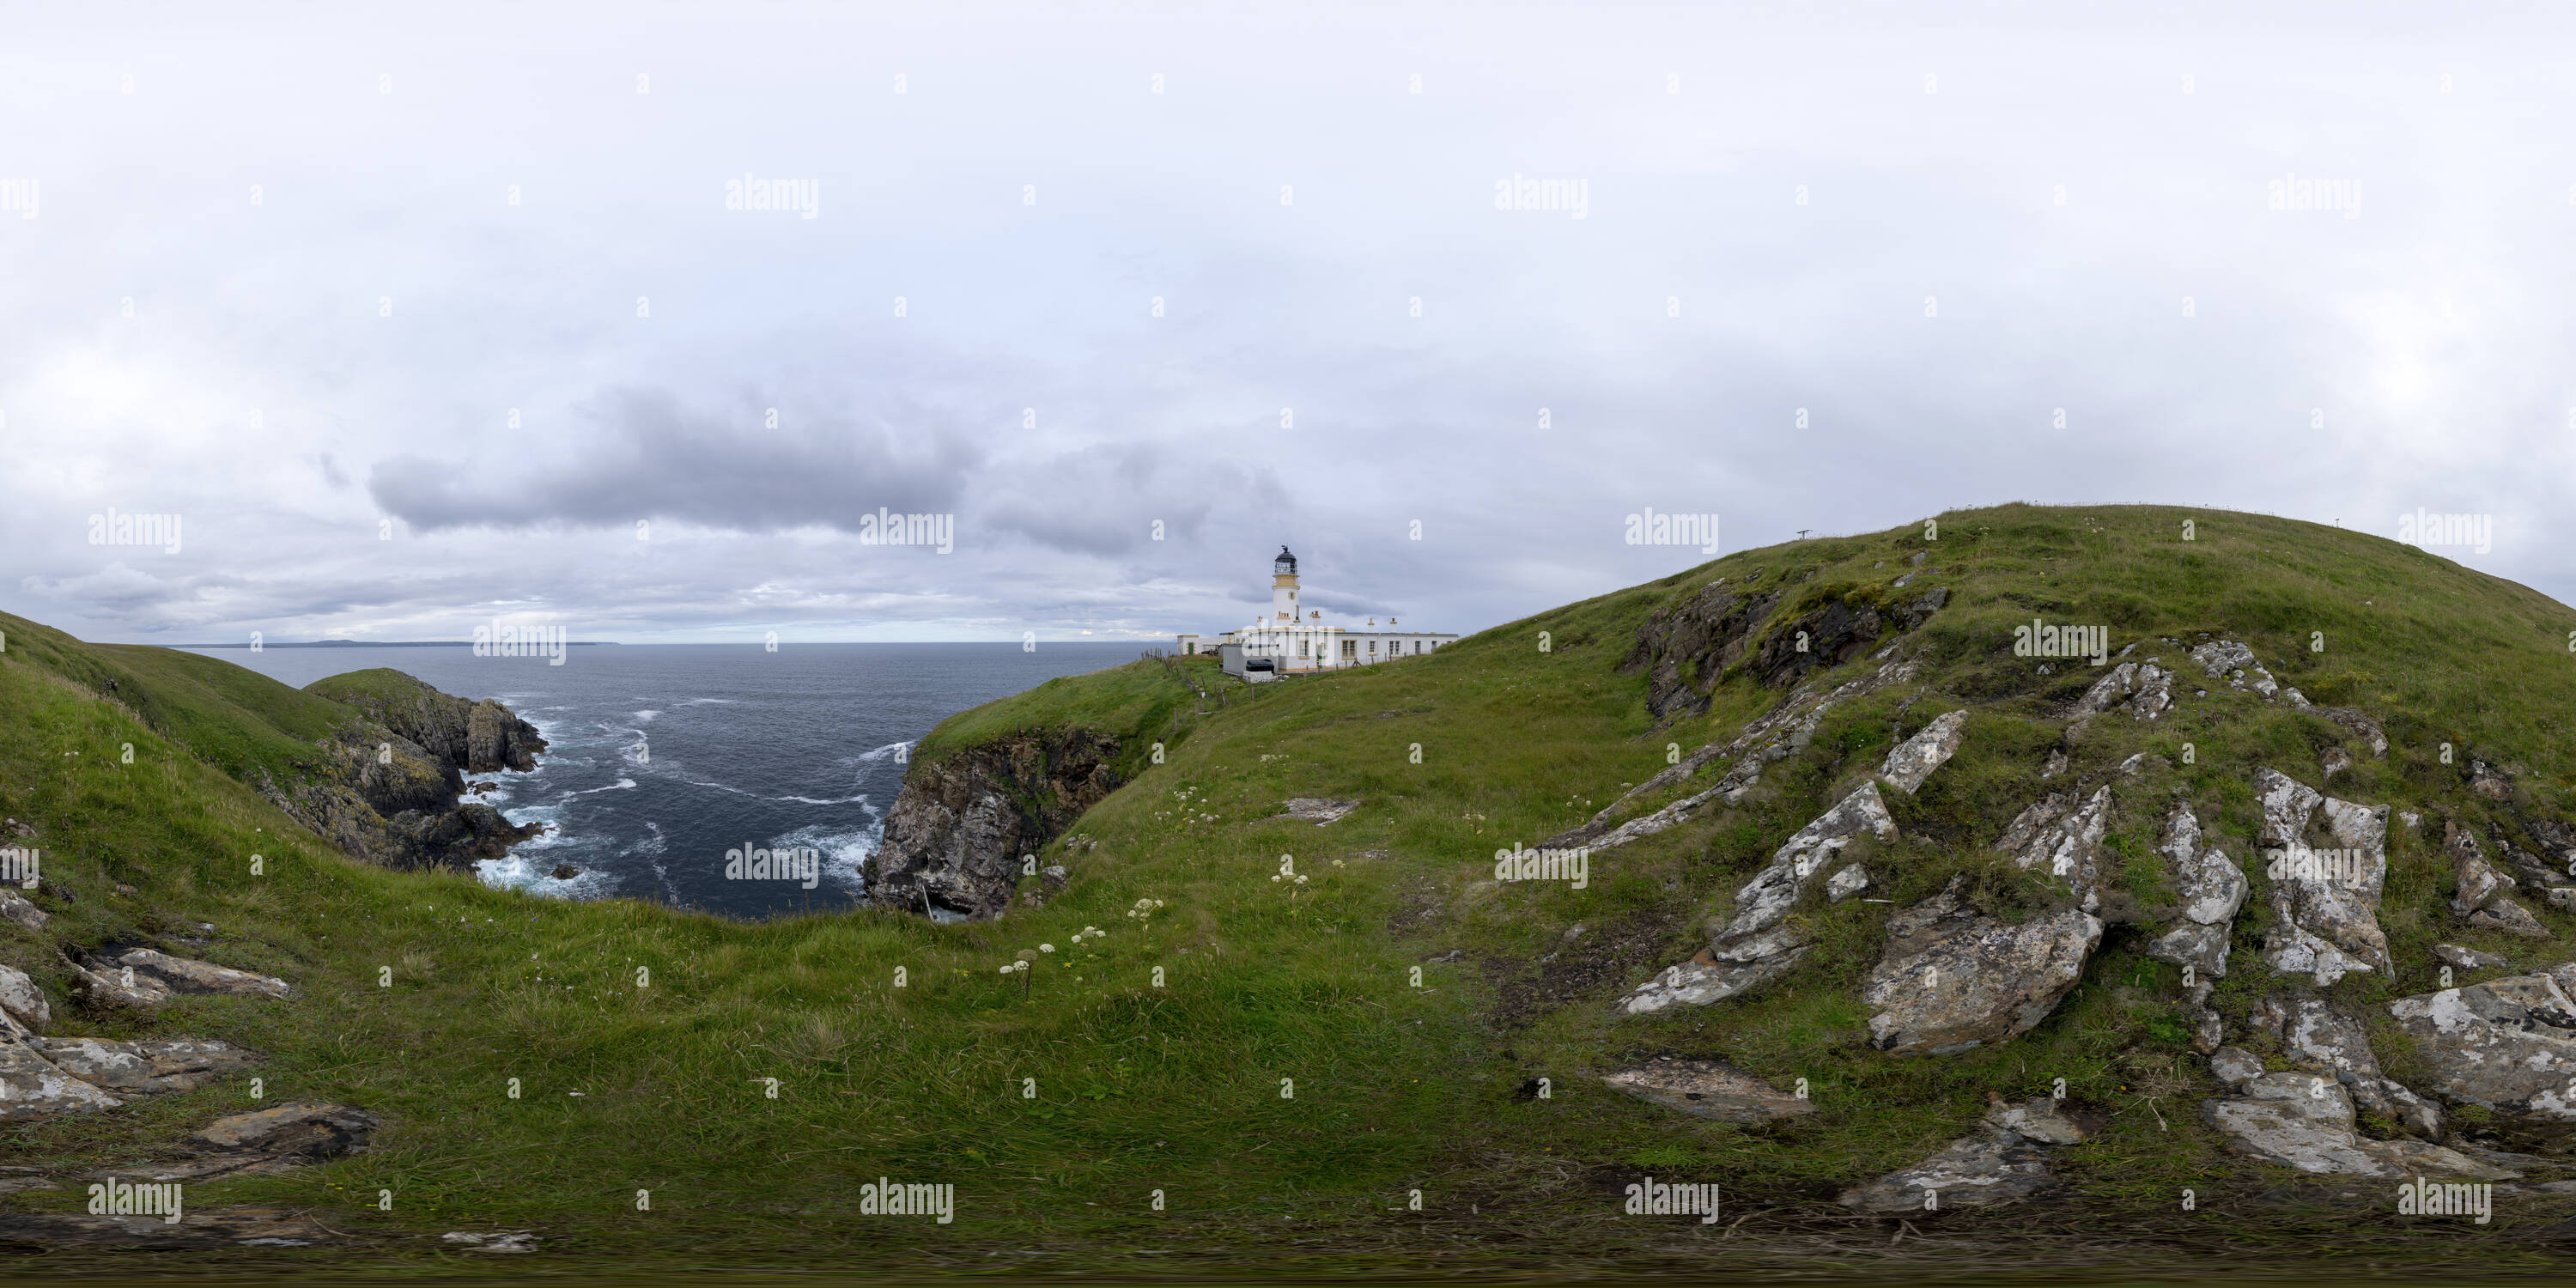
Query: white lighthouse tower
{"points": [[1283, 588]]}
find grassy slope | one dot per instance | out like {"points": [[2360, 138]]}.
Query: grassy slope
{"points": [[1396, 1087]]}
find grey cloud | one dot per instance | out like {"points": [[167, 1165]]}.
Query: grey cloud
{"points": [[651, 458]]}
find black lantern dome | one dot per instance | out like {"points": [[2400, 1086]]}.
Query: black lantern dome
{"points": [[1285, 565]]}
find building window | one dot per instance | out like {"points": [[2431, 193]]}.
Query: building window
{"points": [[1301, 648], [1350, 648]]}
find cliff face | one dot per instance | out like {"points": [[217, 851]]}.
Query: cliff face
{"points": [[393, 777], [958, 829]]}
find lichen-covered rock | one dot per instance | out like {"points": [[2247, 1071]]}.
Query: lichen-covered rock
{"points": [[2360, 725], [33, 1087], [2234, 1066], [2212, 888], [2483, 897], [2325, 905], [186, 975], [121, 987], [2319, 1038], [21, 911], [1708, 1089], [2507, 1045], [22, 1001], [1989, 1168], [2062, 838], [2467, 958], [145, 1068], [2040, 1118], [1753, 947], [1914, 759], [2305, 1121], [1952, 978], [1851, 880]]}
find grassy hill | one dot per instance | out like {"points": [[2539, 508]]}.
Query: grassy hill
{"points": [[1288, 1086]]}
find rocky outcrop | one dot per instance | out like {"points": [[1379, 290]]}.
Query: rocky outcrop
{"points": [[1754, 946], [2325, 899], [1914, 759], [33, 1087], [392, 782], [1952, 978], [23, 1009], [148, 969], [20, 911], [955, 837], [476, 737], [1708, 1089], [2236, 661], [2062, 838], [2211, 887], [143, 1068], [2143, 689], [2483, 898], [1684, 647], [2003, 1161], [2305, 1121], [2507, 1045], [2316, 1037]]}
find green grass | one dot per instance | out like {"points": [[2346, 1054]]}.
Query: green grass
{"points": [[1486, 743]]}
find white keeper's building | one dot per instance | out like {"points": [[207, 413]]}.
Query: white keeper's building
{"points": [[1293, 641]]}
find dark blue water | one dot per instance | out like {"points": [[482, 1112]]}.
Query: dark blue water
{"points": [[663, 757]]}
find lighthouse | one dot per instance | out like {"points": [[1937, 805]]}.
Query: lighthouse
{"points": [[1283, 587]]}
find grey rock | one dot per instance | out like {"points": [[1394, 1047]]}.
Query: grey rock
{"points": [[306, 1129], [2220, 657], [1992, 1167], [1709, 1089], [1700, 982], [185, 975], [2486, 781], [19, 910], [33, 1087], [2056, 765], [1747, 951], [2305, 1121], [144, 1068], [2335, 761], [2235, 1066], [22, 1001], [2063, 839], [2316, 1037], [1844, 884], [2508, 1045], [1914, 759], [2483, 897], [123, 988], [1952, 979], [1316, 809], [2041, 1118], [2203, 948], [2212, 889], [2360, 725], [2468, 958], [954, 836], [2325, 921]]}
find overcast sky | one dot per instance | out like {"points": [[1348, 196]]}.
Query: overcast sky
{"points": [[267, 274]]}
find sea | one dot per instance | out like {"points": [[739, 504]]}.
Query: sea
{"points": [[662, 757]]}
